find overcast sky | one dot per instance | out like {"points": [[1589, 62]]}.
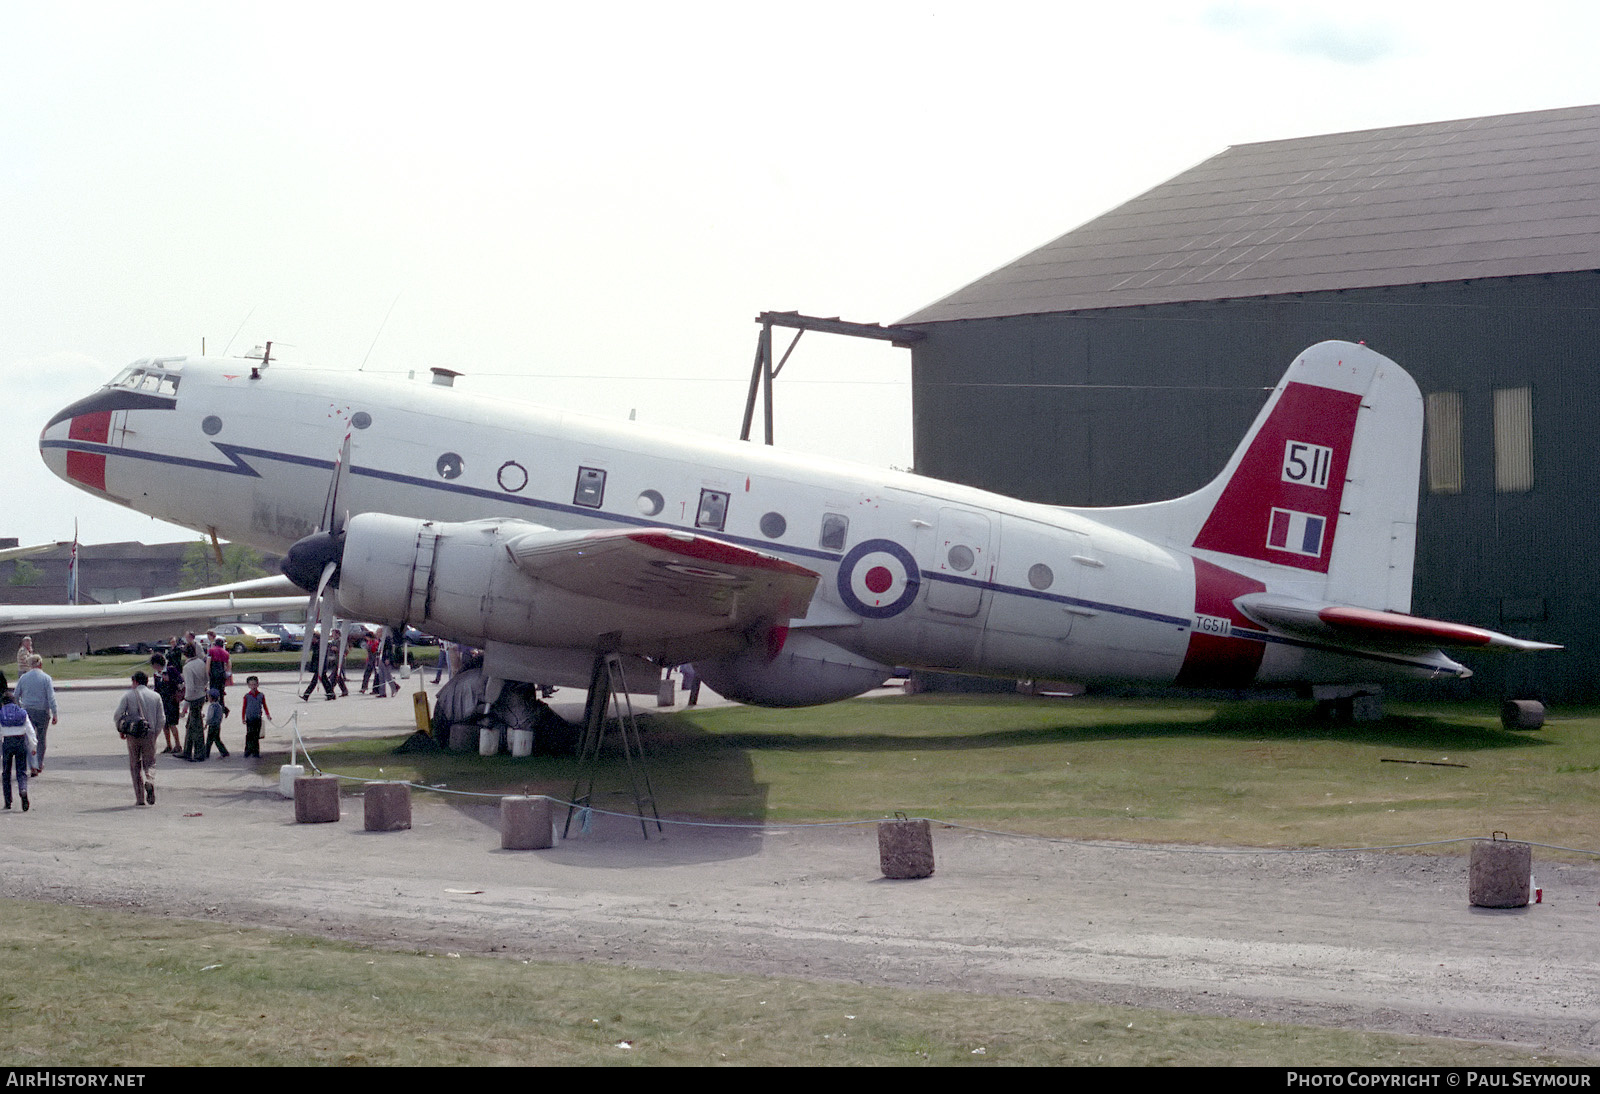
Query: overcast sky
{"points": [[587, 205]]}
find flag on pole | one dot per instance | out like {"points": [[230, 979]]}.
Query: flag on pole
{"points": [[72, 568]]}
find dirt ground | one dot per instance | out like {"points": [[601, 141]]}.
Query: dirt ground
{"points": [[1371, 941]]}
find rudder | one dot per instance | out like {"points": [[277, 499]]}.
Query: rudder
{"points": [[1324, 483]]}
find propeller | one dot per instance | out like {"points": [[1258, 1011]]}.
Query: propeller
{"points": [[313, 562]]}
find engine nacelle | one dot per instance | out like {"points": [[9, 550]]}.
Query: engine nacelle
{"points": [[447, 579], [462, 581], [808, 671]]}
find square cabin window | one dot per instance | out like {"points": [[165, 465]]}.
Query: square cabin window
{"points": [[835, 528], [591, 490], [713, 512]]}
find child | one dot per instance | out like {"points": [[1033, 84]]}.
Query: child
{"points": [[254, 709], [215, 712]]}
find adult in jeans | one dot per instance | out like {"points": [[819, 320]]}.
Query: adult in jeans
{"points": [[36, 694]]}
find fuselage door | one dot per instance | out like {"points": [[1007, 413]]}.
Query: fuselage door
{"points": [[962, 565]]}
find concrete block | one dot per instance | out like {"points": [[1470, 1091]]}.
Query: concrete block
{"points": [[316, 799], [525, 824], [1499, 874], [387, 807], [905, 848]]}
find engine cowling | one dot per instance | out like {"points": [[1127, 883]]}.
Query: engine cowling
{"points": [[808, 671], [447, 579], [540, 601]]}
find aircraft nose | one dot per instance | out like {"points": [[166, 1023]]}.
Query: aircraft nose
{"points": [[68, 442], [50, 442]]}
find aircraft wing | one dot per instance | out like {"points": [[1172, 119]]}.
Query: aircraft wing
{"points": [[275, 585], [34, 618], [68, 628], [9, 553], [730, 587], [1339, 624]]}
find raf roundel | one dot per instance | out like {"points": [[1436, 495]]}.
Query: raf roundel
{"points": [[878, 578]]}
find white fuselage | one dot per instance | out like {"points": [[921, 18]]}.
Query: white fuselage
{"points": [[914, 571]]}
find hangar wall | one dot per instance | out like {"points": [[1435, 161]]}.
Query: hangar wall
{"points": [[1125, 405]]}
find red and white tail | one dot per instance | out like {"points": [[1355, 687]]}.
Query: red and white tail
{"points": [[1324, 483]]}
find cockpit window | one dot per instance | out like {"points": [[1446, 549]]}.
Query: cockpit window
{"points": [[139, 376]]}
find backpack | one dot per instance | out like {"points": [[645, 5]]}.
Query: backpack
{"points": [[12, 715]]}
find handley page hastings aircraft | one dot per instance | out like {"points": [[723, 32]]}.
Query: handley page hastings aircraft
{"points": [[545, 537]]}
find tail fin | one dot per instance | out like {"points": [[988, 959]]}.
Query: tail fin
{"points": [[1325, 482]]}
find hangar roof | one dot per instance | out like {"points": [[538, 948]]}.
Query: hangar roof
{"points": [[1480, 197]]}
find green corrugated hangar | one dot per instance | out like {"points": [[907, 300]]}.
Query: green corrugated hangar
{"points": [[1122, 362]]}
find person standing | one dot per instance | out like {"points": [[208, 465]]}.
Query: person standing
{"points": [[329, 670], [253, 711], [195, 685], [136, 718], [384, 665], [17, 745], [167, 682], [25, 655], [444, 664], [691, 684], [333, 664], [371, 667], [36, 694], [218, 670], [215, 713]]}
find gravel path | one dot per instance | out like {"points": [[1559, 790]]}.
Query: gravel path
{"points": [[1370, 941]]}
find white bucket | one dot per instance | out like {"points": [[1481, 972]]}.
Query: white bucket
{"points": [[287, 774], [489, 741], [522, 742]]}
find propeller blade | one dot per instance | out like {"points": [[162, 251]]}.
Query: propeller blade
{"points": [[333, 517], [314, 615], [316, 557], [305, 642]]}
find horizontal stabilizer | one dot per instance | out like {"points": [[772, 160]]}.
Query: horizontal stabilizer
{"points": [[1342, 625]]}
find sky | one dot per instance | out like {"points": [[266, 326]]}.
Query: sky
{"points": [[588, 205]]}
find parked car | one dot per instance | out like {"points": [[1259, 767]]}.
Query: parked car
{"points": [[247, 638], [291, 636]]}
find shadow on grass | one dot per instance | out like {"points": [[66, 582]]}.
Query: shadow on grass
{"points": [[904, 725], [704, 764], [688, 785]]}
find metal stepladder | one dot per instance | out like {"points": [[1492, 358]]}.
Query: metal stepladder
{"points": [[608, 688]]}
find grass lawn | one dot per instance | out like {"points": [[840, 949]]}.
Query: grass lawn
{"points": [[92, 988], [1256, 773]]}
